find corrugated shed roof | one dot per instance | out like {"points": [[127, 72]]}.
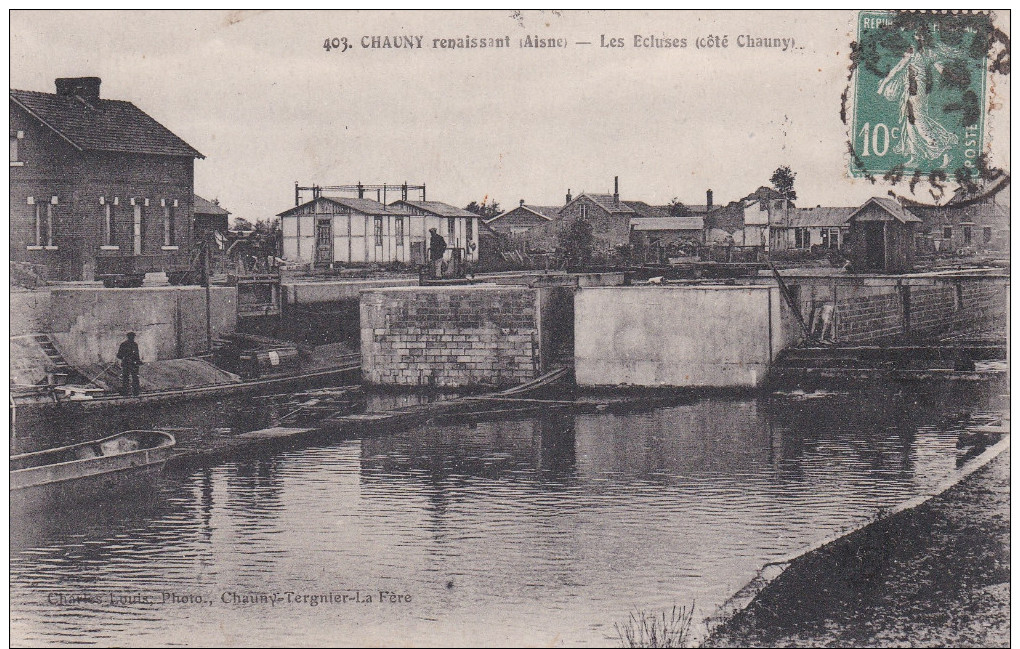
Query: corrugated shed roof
{"points": [[438, 208], [203, 206], [644, 210], [818, 217], [892, 207], [648, 224], [109, 125]]}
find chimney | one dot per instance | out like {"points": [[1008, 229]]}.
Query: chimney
{"points": [[522, 202], [616, 190], [86, 88], [569, 197], [708, 201]]}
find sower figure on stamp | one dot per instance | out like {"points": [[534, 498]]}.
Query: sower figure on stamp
{"points": [[437, 248], [129, 359]]}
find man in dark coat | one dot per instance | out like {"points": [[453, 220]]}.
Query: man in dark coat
{"points": [[437, 248], [129, 359]]}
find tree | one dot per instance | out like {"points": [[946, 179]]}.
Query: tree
{"points": [[267, 226], [782, 182], [242, 224], [486, 211], [577, 244], [676, 208]]}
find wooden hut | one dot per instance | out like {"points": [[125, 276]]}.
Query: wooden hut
{"points": [[881, 237]]}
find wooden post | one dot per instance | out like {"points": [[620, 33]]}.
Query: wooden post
{"points": [[208, 305]]}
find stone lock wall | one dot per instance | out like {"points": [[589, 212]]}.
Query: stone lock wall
{"points": [[874, 309], [451, 336]]}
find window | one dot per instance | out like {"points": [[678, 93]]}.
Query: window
{"points": [[378, 231], [966, 235], [451, 228], [108, 223], [584, 211], [139, 227], [947, 232], [470, 229], [398, 229], [988, 235], [802, 237], [44, 222], [15, 137], [168, 224], [833, 238]]}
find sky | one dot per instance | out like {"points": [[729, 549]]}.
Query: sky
{"points": [[267, 105]]}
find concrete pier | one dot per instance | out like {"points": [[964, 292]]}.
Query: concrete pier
{"points": [[679, 336]]}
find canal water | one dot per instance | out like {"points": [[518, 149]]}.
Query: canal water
{"points": [[541, 531]]}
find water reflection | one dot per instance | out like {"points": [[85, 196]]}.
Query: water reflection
{"points": [[540, 530]]}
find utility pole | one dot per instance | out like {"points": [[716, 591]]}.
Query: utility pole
{"points": [[206, 252]]}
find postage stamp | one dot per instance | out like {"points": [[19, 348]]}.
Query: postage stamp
{"points": [[920, 97]]}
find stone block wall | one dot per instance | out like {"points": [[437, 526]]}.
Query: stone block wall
{"points": [[875, 309], [451, 336]]}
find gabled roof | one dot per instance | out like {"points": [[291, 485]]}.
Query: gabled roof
{"points": [[106, 125], [891, 206], [606, 202], [362, 205], [549, 213], [818, 217], [203, 206], [648, 224], [645, 210], [437, 208]]}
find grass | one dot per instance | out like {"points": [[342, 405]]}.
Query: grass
{"points": [[645, 629]]}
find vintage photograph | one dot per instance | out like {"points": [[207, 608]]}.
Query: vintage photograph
{"points": [[509, 328]]}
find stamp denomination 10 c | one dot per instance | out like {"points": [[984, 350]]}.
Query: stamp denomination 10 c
{"points": [[919, 100]]}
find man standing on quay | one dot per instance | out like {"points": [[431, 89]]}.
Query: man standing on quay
{"points": [[129, 359]]}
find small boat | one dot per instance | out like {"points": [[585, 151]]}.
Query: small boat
{"points": [[91, 470]]}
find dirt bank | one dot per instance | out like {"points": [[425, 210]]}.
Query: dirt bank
{"points": [[937, 575]]}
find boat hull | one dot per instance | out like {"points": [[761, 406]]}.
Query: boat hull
{"points": [[93, 479]]}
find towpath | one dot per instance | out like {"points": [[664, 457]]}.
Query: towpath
{"points": [[934, 576]]}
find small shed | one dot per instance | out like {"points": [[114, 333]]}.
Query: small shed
{"points": [[881, 237]]}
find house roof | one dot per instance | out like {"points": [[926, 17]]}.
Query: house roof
{"points": [[549, 213], [202, 206], [819, 217], [644, 210], [648, 224], [438, 208], [891, 206], [607, 202], [363, 205], [106, 125]]}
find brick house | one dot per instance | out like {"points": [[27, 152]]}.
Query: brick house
{"points": [[95, 184], [965, 223], [608, 215], [521, 225]]}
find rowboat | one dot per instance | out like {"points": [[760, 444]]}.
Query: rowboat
{"points": [[90, 470]]}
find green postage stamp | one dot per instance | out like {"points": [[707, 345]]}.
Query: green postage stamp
{"points": [[919, 94]]}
